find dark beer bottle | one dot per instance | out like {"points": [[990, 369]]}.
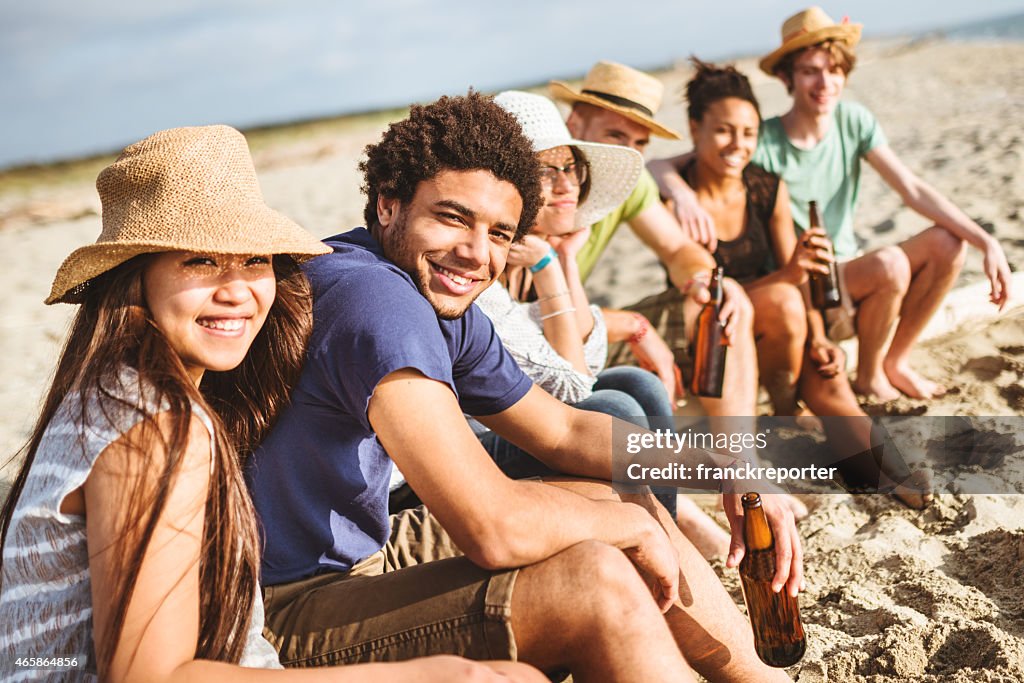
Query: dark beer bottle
{"points": [[709, 344], [778, 636], [824, 288]]}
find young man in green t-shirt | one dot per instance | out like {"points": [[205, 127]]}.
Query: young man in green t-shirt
{"points": [[817, 148]]}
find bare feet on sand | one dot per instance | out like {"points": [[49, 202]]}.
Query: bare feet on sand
{"points": [[902, 377], [916, 491], [877, 388]]}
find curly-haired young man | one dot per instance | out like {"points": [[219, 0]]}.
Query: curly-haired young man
{"points": [[498, 568]]}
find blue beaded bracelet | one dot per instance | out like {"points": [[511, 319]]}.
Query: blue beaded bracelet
{"points": [[547, 258]]}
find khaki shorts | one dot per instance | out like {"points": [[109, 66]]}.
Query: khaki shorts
{"points": [[417, 596]]}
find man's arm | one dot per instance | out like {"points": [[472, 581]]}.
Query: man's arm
{"points": [[689, 264], [692, 217], [497, 522], [580, 442], [930, 203]]}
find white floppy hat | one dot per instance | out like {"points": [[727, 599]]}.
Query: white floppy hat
{"points": [[614, 170]]}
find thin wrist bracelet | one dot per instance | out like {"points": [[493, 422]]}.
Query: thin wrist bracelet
{"points": [[570, 309], [544, 261]]}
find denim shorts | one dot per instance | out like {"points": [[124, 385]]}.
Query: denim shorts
{"points": [[417, 596]]}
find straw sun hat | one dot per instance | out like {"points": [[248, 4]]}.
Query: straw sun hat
{"points": [[810, 27], [614, 169], [184, 189], [620, 89]]}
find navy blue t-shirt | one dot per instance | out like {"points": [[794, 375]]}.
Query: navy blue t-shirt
{"points": [[320, 479]]}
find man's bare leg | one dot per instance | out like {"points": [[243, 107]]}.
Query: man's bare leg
{"points": [[936, 257], [607, 626], [877, 283], [780, 330], [701, 530], [714, 637]]}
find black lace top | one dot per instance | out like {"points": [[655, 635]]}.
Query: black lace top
{"points": [[748, 256]]}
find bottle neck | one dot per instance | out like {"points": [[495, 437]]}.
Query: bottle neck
{"points": [[757, 535], [715, 287]]}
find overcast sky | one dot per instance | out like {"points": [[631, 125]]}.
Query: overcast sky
{"points": [[93, 75]]}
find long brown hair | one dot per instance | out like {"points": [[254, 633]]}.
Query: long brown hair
{"points": [[113, 330]]}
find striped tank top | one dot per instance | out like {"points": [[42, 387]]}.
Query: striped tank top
{"points": [[45, 591]]}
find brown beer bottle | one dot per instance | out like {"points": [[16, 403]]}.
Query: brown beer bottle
{"points": [[824, 288], [709, 344], [778, 636]]}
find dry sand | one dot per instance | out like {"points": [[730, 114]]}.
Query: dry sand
{"points": [[892, 594]]}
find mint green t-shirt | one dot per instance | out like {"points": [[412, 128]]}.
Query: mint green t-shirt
{"points": [[828, 173], [644, 194]]}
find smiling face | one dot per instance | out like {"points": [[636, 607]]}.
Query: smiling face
{"points": [[817, 82], [561, 193], [453, 237], [726, 136], [209, 306]]}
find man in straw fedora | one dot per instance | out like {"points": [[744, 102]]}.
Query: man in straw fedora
{"points": [[546, 573], [817, 148]]}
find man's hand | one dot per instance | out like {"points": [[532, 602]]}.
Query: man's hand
{"points": [[657, 560], [789, 557], [695, 221], [997, 270], [735, 304], [528, 251], [652, 353], [828, 358]]}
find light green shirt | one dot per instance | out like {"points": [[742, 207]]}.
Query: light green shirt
{"points": [[828, 173], [644, 195]]}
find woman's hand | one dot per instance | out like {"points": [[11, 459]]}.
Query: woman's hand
{"points": [[652, 353], [527, 252], [568, 246], [812, 254]]}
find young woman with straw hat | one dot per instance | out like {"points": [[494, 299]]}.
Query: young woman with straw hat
{"points": [[130, 548]]}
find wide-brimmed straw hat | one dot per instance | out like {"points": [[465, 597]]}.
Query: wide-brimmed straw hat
{"points": [[620, 89], [184, 189], [810, 27], [614, 169]]}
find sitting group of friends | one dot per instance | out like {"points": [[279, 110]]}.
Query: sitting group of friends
{"points": [[210, 487]]}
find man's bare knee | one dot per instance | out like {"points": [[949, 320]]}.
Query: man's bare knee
{"points": [[892, 269]]}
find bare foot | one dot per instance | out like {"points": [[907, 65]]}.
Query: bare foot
{"points": [[876, 388], [902, 377], [916, 491], [711, 540]]}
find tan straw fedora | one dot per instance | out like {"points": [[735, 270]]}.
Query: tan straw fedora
{"points": [[810, 27], [620, 89], [184, 189]]}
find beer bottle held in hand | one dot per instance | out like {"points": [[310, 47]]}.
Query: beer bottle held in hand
{"points": [[709, 344], [778, 636], [824, 288]]}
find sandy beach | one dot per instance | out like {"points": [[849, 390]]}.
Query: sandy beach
{"points": [[892, 594]]}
